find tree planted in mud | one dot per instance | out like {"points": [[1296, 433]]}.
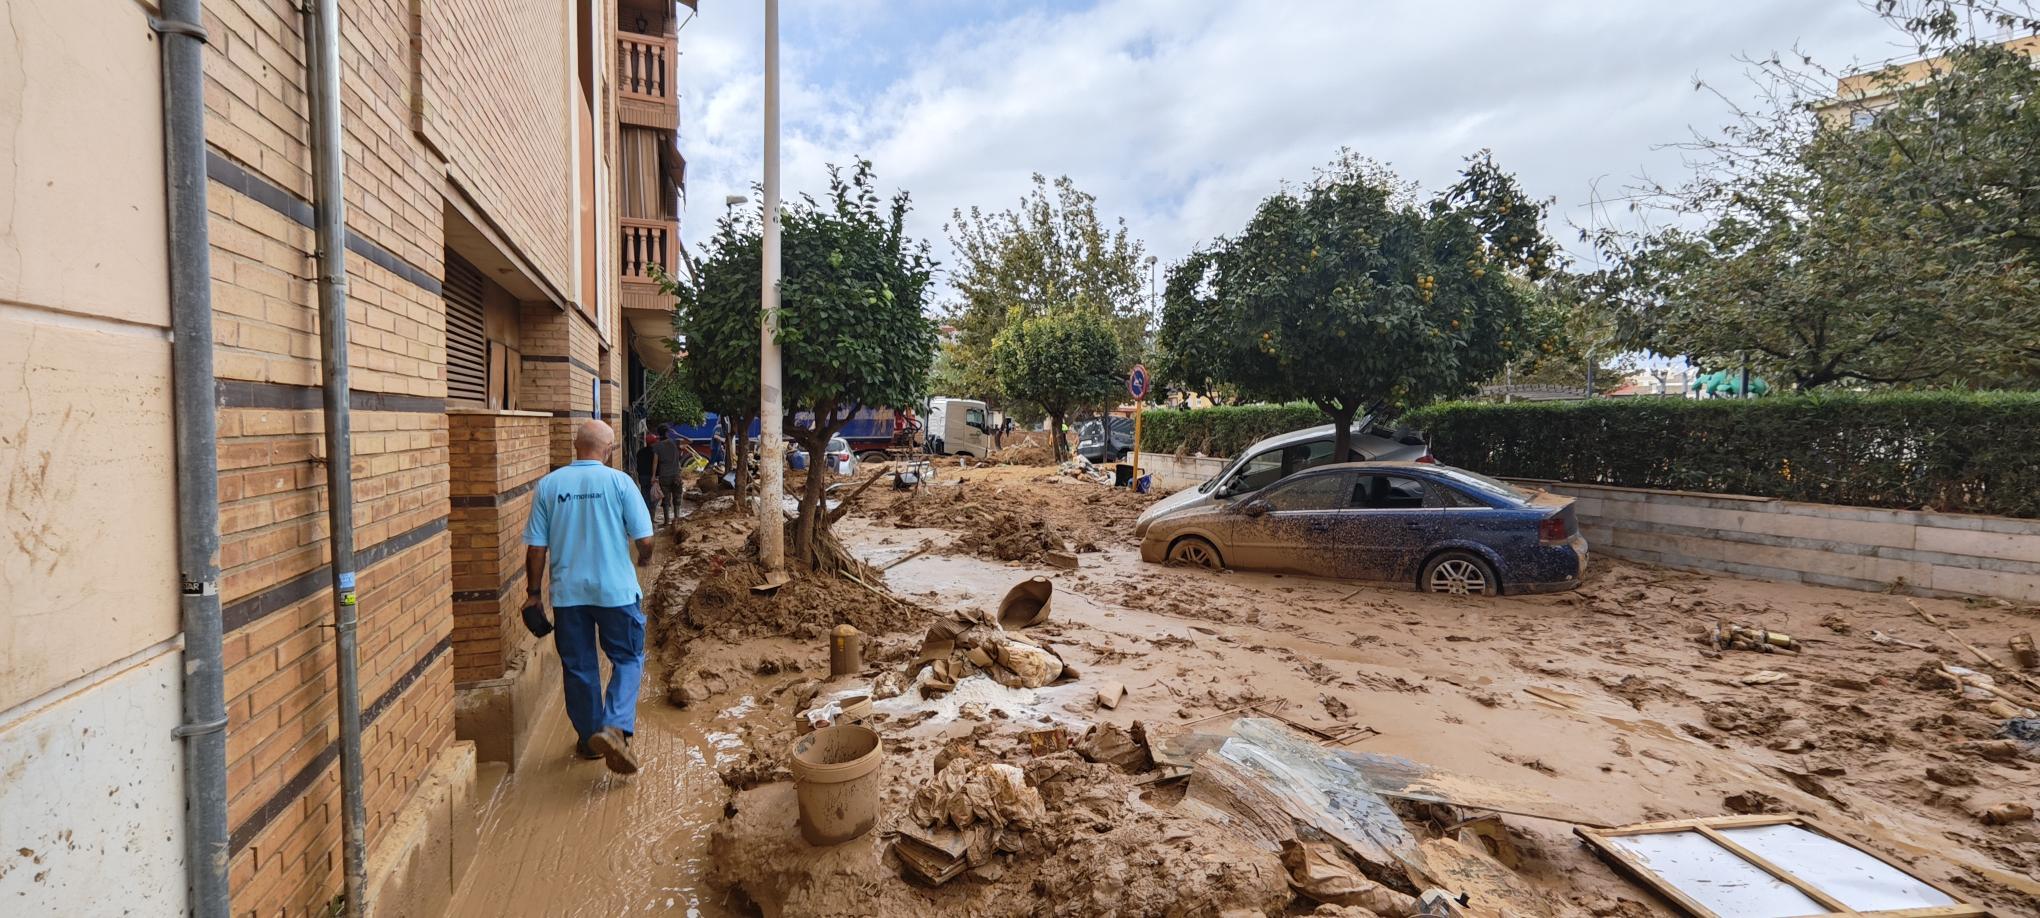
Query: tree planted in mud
{"points": [[1059, 360], [1351, 291], [851, 331]]}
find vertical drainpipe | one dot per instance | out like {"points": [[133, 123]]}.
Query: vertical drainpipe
{"points": [[322, 63], [196, 424]]}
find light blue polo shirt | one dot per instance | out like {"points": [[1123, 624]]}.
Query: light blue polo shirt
{"points": [[587, 514]]}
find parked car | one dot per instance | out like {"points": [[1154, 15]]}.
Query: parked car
{"points": [[1438, 528], [1105, 440], [1283, 455], [839, 458]]}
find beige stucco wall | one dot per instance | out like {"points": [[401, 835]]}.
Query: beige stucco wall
{"points": [[91, 799], [85, 441]]}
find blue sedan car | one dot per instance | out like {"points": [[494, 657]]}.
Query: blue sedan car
{"points": [[1441, 529]]}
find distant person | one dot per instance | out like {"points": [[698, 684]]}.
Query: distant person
{"points": [[667, 455], [647, 467], [583, 518]]}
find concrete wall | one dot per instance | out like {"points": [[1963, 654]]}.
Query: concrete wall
{"points": [[91, 799], [1176, 473], [1856, 547]]}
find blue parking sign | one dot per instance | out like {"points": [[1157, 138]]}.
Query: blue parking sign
{"points": [[1137, 381]]}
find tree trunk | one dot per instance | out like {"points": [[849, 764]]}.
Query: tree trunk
{"points": [[739, 457], [1055, 434], [812, 520], [1342, 431]]}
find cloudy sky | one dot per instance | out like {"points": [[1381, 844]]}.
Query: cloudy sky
{"points": [[1181, 115]]}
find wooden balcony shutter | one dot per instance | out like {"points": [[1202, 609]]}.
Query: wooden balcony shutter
{"points": [[467, 343]]}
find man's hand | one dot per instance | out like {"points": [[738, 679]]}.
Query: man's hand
{"points": [[644, 552]]}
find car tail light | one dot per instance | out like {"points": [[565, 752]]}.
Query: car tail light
{"points": [[1553, 529], [1427, 458]]}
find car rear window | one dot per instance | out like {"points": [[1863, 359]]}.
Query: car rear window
{"points": [[1475, 481]]}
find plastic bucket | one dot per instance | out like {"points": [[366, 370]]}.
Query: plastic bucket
{"points": [[835, 775], [1026, 603]]}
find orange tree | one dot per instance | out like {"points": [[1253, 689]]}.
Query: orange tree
{"points": [[1350, 291], [852, 334]]}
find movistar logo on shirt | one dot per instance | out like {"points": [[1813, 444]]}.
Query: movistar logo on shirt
{"points": [[567, 497]]}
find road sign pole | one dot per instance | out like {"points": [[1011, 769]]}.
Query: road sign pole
{"points": [[1136, 386], [1137, 403]]}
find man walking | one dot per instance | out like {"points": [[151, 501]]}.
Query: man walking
{"points": [[583, 517], [647, 466], [666, 452]]}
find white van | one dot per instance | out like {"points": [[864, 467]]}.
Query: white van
{"points": [[1283, 455], [958, 427]]}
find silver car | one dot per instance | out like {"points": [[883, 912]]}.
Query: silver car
{"points": [[1283, 455]]}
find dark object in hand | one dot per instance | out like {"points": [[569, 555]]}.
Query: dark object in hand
{"points": [[535, 618]]}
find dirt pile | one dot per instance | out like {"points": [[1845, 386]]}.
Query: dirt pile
{"points": [[1058, 836], [1025, 454], [1014, 515], [723, 606]]}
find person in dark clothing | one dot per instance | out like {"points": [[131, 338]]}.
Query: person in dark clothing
{"points": [[667, 457], [647, 467]]}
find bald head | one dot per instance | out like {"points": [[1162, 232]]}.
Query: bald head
{"points": [[593, 440]]}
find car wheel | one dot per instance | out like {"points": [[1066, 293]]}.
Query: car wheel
{"points": [[1195, 552], [1459, 573]]}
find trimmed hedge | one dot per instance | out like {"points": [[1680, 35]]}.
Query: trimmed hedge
{"points": [[1964, 452], [1222, 430]]}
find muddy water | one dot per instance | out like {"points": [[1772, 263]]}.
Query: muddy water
{"points": [[564, 836]]}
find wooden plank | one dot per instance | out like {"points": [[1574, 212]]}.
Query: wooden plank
{"points": [[1687, 825], [1808, 889]]}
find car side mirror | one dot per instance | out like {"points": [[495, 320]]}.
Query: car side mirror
{"points": [[1254, 507]]}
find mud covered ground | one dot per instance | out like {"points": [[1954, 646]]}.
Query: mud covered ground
{"points": [[1607, 700]]}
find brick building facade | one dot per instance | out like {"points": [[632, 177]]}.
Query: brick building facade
{"points": [[485, 267]]}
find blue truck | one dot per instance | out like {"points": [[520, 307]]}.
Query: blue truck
{"points": [[869, 431]]}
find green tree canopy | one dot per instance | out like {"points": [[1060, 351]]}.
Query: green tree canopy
{"points": [[1842, 242], [1351, 291], [1052, 253], [851, 330], [1060, 361]]}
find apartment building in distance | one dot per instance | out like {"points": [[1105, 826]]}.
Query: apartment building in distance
{"points": [[510, 175], [1860, 96]]}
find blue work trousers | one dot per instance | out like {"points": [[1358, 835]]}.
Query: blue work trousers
{"points": [[621, 632]]}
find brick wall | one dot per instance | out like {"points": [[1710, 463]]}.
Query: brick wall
{"points": [[494, 103], [496, 459], [490, 76]]}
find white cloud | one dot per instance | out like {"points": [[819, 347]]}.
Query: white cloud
{"points": [[1181, 116]]}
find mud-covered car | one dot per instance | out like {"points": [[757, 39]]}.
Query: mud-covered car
{"points": [[1438, 528]]}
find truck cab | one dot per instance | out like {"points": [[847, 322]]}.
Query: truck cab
{"points": [[958, 427]]}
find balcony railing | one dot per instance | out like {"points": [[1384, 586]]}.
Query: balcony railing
{"points": [[644, 243], [644, 67]]}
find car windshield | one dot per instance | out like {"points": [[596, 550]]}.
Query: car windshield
{"points": [[838, 445], [1490, 486]]}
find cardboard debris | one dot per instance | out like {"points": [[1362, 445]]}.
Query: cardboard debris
{"points": [[1110, 693], [1479, 884], [1317, 872], [1114, 745], [1064, 560]]}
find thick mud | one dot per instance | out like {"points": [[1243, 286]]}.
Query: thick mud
{"points": [[1609, 703]]}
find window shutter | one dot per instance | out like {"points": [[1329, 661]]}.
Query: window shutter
{"points": [[467, 347]]}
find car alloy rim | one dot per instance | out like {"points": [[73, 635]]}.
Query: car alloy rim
{"points": [[1458, 577], [1194, 553]]}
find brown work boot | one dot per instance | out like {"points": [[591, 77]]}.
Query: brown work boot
{"points": [[584, 751], [615, 750]]}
